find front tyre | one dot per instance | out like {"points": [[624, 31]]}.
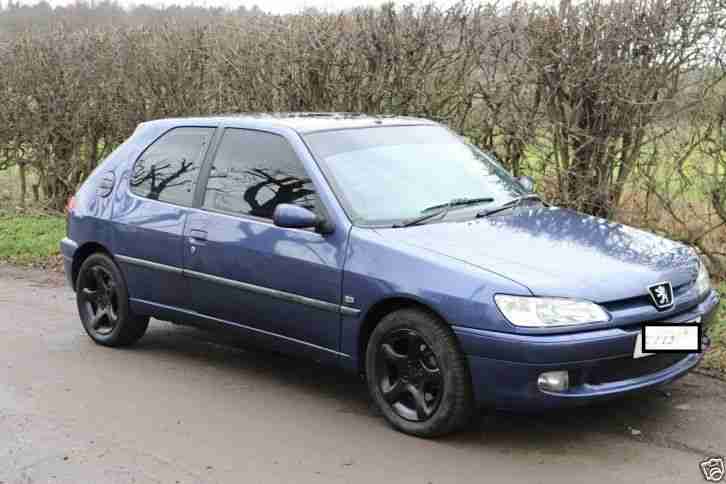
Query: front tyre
{"points": [[103, 303], [417, 375]]}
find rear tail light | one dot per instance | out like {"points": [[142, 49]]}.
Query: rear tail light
{"points": [[71, 204]]}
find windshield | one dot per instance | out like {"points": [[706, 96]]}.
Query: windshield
{"points": [[390, 174]]}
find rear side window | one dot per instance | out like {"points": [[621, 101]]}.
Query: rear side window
{"points": [[168, 170], [253, 172]]}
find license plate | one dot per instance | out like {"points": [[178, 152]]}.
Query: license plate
{"points": [[668, 338]]}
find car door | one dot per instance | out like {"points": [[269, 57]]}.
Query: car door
{"points": [[149, 219], [245, 270]]}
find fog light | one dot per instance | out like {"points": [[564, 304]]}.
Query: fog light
{"points": [[553, 381]]}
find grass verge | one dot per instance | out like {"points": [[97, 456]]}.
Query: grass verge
{"points": [[715, 359], [32, 239]]}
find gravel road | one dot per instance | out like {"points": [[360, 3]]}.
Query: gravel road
{"points": [[183, 406]]}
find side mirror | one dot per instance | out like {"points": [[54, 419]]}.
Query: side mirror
{"points": [[527, 182], [295, 217]]}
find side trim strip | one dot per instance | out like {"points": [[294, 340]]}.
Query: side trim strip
{"points": [[243, 326], [349, 311], [285, 296], [149, 264], [244, 286]]}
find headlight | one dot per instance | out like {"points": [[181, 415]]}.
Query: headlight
{"points": [[703, 281], [545, 312]]}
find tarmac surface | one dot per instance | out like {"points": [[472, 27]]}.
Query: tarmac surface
{"points": [[184, 406]]}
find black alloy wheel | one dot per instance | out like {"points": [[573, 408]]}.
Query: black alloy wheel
{"points": [[417, 375], [98, 298], [103, 303], [409, 375]]}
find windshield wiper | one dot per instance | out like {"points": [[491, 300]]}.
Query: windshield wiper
{"points": [[510, 204], [442, 209], [459, 202]]}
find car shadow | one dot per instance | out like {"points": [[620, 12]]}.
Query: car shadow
{"points": [[230, 353], [553, 431]]}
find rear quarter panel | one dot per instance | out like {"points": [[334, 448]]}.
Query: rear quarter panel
{"points": [[89, 221]]}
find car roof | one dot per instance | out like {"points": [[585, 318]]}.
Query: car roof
{"points": [[303, 122]]}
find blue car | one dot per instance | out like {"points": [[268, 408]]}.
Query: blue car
{"points": [[388, 246]]}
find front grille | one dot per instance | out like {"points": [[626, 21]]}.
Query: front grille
{"points": [[619, 369], [644, 300]]}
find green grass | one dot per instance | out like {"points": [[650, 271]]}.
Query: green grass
{"points": [[30, 239], [715, 359]]}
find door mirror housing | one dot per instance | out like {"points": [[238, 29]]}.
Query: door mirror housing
{"points": [[527, 182], [294, 217]]}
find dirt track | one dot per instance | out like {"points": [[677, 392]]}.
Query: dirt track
{"points": [[182, 407]]}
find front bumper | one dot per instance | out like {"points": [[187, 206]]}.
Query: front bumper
{"points": [[505, 367]]}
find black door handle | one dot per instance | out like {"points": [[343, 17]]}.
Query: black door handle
{"points": [[198, 235]]}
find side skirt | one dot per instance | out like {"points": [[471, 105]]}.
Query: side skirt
{"points": [[268, 339]]}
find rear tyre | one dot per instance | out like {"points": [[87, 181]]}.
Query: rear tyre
{"points": [[103, 303], [417, 376]]}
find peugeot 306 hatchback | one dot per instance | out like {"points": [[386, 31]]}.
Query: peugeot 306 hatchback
{"points": [[388, 246]]}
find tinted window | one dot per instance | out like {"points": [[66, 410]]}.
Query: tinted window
{"points": [[389, 174], [253, 172], [168, 169]]}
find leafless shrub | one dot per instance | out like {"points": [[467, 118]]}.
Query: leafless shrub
{"points": [[608, 102], [612, 74]]}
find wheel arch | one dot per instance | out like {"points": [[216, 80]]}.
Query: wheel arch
{"points": [[82, 253], [380, 310]]}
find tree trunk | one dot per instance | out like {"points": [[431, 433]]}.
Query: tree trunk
{"points": [[56, 194], [23, 184]]}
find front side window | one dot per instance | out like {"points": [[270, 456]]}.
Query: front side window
{"points": [[386, 175], [253, 172], [167, 171]]}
